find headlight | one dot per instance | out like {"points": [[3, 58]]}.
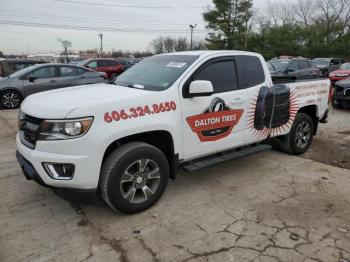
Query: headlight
{"points": [[64, 129]]}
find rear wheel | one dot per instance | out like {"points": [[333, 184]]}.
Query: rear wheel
{"points": [[300, 137], [10, 99], [134, 177]]}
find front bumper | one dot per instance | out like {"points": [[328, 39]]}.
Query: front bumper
{"points": [[83, 196], [87, 167]]}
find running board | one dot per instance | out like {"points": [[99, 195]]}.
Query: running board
{"points": [[222, 157]]}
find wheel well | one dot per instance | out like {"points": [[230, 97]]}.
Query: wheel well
{"points": [[311, 110], [12, 89], [160, 139]]}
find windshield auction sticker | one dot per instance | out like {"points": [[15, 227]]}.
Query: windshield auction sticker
{"points": [[216, 122]]}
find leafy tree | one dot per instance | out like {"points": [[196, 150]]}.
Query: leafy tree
{"points": [[227, 22]]}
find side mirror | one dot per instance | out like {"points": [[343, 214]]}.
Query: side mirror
{"points": [[201, 88], [32, 79]]}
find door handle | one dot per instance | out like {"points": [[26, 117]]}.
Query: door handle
{"points": [[237, 101], [53, 81]]}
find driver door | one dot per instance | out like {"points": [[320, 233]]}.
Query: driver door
{"points": [[42, 79], [214, 122]]}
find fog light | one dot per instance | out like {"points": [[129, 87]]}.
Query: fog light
{"points": [[59, 171]]}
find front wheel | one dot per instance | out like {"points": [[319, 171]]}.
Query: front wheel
{"points": [[113, 76], [336, 104], [10, 99], [299, 139], [134, 177]]}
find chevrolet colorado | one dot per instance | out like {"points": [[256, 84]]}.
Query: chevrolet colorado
{"points": [[124, 140]]}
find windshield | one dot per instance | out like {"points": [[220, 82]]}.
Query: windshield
{"points": [[22, 72], [280, 65], [345, 66], [321, 61], [82, 63], [156, 73], [270, 66]]}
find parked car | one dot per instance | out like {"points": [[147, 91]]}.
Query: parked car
{"points": [[328, 65], [187, 109], [293, 69], [43, 77], [9, 66], [341, 94], [342, 73], [111, 67], [127, 64]]}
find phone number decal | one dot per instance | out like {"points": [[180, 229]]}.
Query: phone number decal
{"points": [[139, 111]]}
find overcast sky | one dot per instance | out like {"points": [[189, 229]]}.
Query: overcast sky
{"points": [[128, 24]]}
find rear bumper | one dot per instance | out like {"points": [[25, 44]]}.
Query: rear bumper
{"points": [[83, 196]]}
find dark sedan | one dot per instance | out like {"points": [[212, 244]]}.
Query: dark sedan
{"points": [[293, 69], [341, 95], [44, 77]]}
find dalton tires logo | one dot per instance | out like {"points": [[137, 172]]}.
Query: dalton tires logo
{"points": [[216, 122]]}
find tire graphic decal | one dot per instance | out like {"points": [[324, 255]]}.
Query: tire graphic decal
{"points": [[272, 111]]}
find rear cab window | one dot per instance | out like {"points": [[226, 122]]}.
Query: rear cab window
{"points": [[250, 71]]}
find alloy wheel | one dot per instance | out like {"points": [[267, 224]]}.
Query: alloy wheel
{"points": [[303, 135], [10, 99], [140, 181]]}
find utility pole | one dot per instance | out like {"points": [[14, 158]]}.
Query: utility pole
{"points": [[101, 47], [192, 27]]}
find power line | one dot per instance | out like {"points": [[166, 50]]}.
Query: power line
{"points": [[128, 6], [81, 19], [88, 28]]}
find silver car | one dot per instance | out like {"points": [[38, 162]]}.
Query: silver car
{"points": [[44, 77]]}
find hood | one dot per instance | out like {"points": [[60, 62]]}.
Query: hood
{"points": [[59, 103], [341, 72], [344, 83], [4, 81]]}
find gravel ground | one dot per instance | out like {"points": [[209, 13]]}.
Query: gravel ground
{"points": [[266, 207]]}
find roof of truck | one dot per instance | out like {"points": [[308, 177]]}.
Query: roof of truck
{"points": [[209, 52]]}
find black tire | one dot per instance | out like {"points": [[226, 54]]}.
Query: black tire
{"points": [[10, 99], [115, 168], [336, 104], [113, 76], [289, 143]]}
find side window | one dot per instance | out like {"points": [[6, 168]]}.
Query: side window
{"points": [[221, 74], [293, 65], [303, 64], [250, 71], [68, 71], [81, 71], [45, 72], [103, 63], [92, 64]]}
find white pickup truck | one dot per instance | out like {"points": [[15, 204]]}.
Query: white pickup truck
{"points": [[124, 140]]}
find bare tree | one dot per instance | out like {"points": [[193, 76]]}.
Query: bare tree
{"points": [[158, 45], [335, 15], [303, 11], [181, 44], [66, 44], [169, 44]]}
